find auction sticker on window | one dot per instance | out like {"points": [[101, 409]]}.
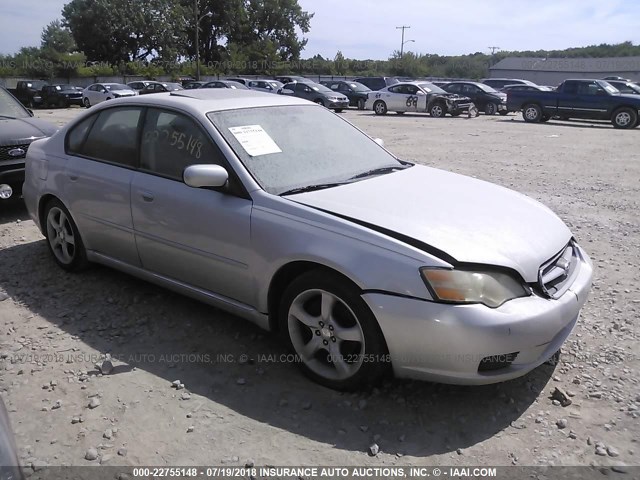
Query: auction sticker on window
{"points": [[255, 140]]}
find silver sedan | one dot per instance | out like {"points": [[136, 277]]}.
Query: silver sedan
{"points": [[366, 264]]}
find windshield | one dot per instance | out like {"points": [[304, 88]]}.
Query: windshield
{"points": [[64, 87], [312, 147], [320, 88], [358, 87], [608, 87], [431, 88], [10, 107], [276, 84]]}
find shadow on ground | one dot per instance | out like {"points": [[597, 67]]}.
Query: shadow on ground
{"points": [[139, 323]]}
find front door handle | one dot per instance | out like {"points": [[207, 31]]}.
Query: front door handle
{"points": [[147, 196]]}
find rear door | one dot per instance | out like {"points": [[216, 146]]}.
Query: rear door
{"points": [[102, 155], [197, 236]]}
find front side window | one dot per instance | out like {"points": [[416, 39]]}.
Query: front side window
{"points": [[171, 142], [113, 136]]}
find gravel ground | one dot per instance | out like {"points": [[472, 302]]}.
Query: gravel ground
{"points": [[234, 404]]}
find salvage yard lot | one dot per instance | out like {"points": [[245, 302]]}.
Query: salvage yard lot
{"points": [[243, 401]]}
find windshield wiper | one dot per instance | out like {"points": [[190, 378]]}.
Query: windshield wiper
{"points": [[9, 117], [379, 171], [311, 188]]}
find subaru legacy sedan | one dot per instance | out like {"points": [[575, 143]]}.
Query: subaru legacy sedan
{"points": [[365, 263]]}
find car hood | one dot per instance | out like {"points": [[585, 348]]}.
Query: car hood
{"points": [[468, 219], [16, 131]]}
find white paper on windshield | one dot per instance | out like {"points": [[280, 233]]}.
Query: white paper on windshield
{"points": [[255, 140]]}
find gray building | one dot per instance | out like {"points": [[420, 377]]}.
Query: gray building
{"points": [[552, 71]]}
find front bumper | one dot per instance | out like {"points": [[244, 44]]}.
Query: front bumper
{"points": [[446, 343], [339, 104]]}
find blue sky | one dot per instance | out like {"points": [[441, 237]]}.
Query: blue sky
{"points": [[366, 28]]}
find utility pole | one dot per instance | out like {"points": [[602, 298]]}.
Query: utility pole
{"points": [[403, 28], [493, 49]]}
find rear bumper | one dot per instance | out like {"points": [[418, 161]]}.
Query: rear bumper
{"points": [[446, 343]]}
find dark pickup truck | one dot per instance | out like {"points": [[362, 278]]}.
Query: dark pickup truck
{"points": [[29, 92], [582, 98]]}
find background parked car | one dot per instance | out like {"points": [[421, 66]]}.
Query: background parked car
{"points": [[99, 92], [60, 95], [265, 85], [486, 98], [291, 78], [28, 92], [194, 84], [160, 87], [317, 93], [354, 91], [243, 81], [138, 84], [626, 86], [376, 83], [500, 83], [518, 87], [224, 84], [18, 129]]}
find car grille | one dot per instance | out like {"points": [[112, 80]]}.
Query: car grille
{"points": [[496, 362], [5, 149], [554, 276]]}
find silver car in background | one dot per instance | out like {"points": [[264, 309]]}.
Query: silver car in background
{"points": [[363, 262], [100, 92], [267, 86]]}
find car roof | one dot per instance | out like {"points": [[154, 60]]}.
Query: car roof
{"points": [[212, 99]]}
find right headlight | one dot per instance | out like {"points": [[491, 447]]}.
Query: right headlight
{"points": [[472, 286]]}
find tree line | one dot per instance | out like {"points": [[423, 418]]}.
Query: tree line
{"points": [[251, 37]]}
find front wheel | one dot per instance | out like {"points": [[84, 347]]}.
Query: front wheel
{"points": [[503, 112], [63, 237], [86, 103], [624, 118], [532, 113], [336, 338], [437, 110], [491, 108], [338, 110], [380, 108]]}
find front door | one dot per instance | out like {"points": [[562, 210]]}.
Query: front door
{"points": [[197, 236]]}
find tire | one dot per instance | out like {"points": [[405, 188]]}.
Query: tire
{"points": [[624, 117], [545, 118], [338, 110], [63, 237], [380, 108], [455, 114], [321, 315], [361, 102], [86, 102], [437, 110], [490, 108], [502, 113], [532, 113], [319, 101], [400, 113]]}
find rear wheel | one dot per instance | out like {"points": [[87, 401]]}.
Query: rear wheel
{"points": [[63, 237], [361, 104], [624, 118], [380, 108], [532, 113], [545, 118], [334, 334], [437, 110]]}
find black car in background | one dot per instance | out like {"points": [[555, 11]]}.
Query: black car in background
{"points": [[626, 86], [28, 92], [376, 83], [194, 84], [60, 95], [159, 87], [355, 92], [18, 129], [486, 98]]}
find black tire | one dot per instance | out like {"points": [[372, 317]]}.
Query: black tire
{"points": [[338, 110], [490, 108], [400, 113], [319, 101], [380, 108], [69, 255], [455, 114], [545, 118], [532, 113], [624, 117], [503, 112], [347, 313], [438, 110], [86, 102], [361, 103]]}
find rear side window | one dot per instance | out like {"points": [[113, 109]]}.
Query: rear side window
{"points": [[113, 137], [77, 135]]}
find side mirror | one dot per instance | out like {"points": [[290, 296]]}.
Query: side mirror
{"points": [[379, 141], [198, 176]]}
